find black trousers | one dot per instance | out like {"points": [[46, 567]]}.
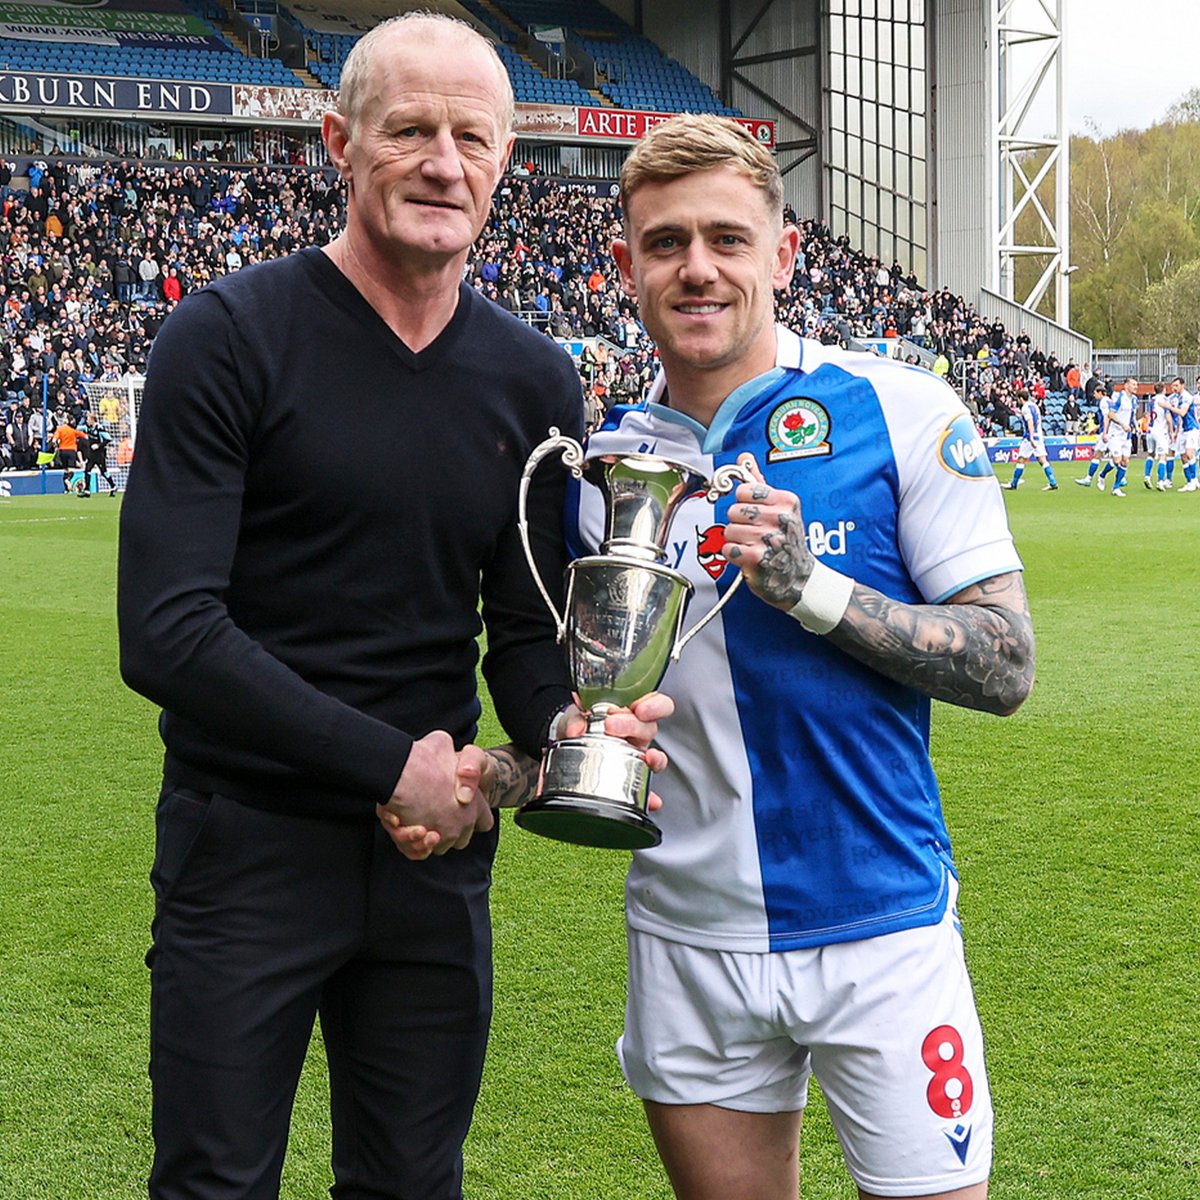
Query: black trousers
{"points": [[264, 922], [96, 459]]}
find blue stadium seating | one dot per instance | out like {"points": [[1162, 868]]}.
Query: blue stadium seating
{"points": [[639, 75], [227, 65]]}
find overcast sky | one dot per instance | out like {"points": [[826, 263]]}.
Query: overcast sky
{"points": [[1128, 61]]}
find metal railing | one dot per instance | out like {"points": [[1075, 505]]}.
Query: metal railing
{"points": [[1052, 337], [1148, 364]]}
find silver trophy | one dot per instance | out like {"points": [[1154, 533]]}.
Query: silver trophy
{"points": [[623, 626]]}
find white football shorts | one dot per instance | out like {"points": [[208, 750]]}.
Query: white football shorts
{"points": [[1028, 450], [887, 1025], [1188, 441], [1119, 443]]}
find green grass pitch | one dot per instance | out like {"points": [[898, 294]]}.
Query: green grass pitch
{"points": [[1076, 827]]}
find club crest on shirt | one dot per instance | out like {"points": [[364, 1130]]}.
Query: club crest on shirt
{"points": [[708, 550], [961, 450], [798, 428]]}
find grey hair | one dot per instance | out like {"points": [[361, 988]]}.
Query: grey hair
{"points": [[424, 26]]}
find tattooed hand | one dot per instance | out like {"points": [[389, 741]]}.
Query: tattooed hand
{"points": [[506, 777], [765, 539], [975, 650]]}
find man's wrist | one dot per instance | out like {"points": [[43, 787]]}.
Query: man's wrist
{"points": [[823, 599], [555, 725]]}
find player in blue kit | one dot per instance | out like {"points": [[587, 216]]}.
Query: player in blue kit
{"points": [[1121, 409], [1033, 442], [799, 917], [1101, 452], [1160, 440], [1182, 405]]}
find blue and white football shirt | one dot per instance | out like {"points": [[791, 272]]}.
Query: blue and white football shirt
{"points": [[1031, 422], [1188, 419], [1120, 413], [800, 806]]}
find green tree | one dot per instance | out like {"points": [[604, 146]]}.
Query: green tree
{"points": [[1105, 304], [1105, 174], [1170, 313], [1135, 222], [1187, 108], [1172, 165], [1159, 240]]}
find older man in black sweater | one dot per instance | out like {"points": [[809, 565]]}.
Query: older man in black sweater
{"points": [[324, 490]]}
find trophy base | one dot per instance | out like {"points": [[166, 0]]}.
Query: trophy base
{"points": [[594, 793], [589, 822]]}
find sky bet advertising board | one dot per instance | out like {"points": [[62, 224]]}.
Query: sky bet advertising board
{"points": [[1058, 449]]}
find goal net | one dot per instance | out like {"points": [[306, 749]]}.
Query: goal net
{"points": [[118, 404]]}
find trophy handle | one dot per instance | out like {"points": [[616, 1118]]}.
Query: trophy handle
{"points": [[723, 481], [572, 459]]}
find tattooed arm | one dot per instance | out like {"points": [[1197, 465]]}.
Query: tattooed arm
{"points": [[510, 776], [975, 650]]}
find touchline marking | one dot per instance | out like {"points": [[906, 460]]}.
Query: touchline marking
{"points": [[47, 520]]}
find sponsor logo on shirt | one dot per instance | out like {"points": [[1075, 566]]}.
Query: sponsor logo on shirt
{"points": [[798, 428], [823, 540], [827, 539], [708, 550], [961, 450]]}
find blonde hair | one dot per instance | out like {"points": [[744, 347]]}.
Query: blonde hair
{"points": [[699, 142], [422, 26]]}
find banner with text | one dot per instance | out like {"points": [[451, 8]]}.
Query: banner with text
{"points": [[64, 17], [1058, 449], [34, 90], [134, 39], [29, 90], [621, 125]]}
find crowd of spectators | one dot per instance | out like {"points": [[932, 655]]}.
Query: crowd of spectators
{"points": [[93, 256], [544, 254]]}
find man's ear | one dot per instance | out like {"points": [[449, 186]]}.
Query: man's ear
{"points": [[624, 261], [505, 157], [335, 133], [786, 250]]}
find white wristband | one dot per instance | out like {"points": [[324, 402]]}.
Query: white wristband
{"points": [[823, 600]]}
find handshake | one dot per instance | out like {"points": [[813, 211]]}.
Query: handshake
{"points": [[444, 797]]}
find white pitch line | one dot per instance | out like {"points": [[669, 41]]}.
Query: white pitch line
{"points": [[44, 520]]}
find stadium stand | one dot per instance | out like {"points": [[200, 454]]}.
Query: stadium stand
{"points": [[94, 255], [630, 71], [196, 65], [530, 86], [126, 46]]}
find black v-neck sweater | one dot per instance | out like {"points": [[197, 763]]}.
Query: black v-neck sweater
{"points": [[313, 515]]}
